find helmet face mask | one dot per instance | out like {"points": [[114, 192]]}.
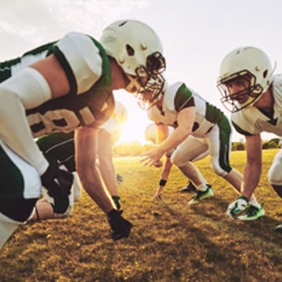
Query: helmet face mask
{"points": [[252, 68], [248, 94]]}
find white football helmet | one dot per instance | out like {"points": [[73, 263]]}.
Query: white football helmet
{"points": [[120, 114], [246, 63], [138, 51], [151, 133]]}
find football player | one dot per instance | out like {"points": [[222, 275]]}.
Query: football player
{"points": [[59, 148], [199, 126], [65, 86], [253, 94]]}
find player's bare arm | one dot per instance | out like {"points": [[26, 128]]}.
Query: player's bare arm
{"points": [[85, 152], [53, 72], [253, 166], [185, 121]]}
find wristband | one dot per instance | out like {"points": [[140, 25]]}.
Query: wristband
{"points": [[162, 182]]}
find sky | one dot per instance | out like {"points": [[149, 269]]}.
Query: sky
{"points": [[196, 35]]}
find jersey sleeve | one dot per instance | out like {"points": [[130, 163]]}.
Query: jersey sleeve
{"points": [[241, 124], [80, 57], [179, 96]]}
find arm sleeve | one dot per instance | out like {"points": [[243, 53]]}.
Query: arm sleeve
{"points": [[22, 91], [15, 131]]}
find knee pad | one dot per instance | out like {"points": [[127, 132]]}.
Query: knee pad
{"points": [[220, 170], [177, 159], [275, 174]]}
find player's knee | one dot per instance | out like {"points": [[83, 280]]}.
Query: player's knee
{"points": [[219, 170], [275, 174], [178, 160]]}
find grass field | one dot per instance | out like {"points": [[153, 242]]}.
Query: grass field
{"points": [[169, 242]]}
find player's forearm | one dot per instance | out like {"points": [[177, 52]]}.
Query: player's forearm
{"points": [[251, 179], [176, 138], [90, 179], [166, 169]]}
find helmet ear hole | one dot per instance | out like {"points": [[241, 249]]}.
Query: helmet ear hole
{"points": [[265, 74], [129, 50]]}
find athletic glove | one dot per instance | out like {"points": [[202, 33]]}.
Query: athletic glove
{"points": [[120, 226], [237, 207], [58, 184]]}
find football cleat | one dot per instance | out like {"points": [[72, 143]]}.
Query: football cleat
{"points": [[237, 207], [278, 228], [252, 213], [189, 188], [201, 195]]}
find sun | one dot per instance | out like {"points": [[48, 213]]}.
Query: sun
{"points": [[134, 128]]}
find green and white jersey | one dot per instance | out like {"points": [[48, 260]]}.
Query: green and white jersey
{"points": [[89, 102], [178, 96], [251, 121], [84, 71]]}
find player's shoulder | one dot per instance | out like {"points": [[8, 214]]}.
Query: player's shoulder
{"points": [[244, 121], [177, 91], [277, 86]]}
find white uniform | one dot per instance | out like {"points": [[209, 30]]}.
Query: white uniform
{"points": [[211, 130], [27, 111], [251, 121]]}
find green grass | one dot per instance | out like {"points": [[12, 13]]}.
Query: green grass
{"points": [[169, 242]]}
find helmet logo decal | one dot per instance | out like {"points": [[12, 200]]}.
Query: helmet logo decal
{"points": [[143, 47], [123, 23]]}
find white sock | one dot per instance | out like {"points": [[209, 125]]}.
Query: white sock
{"points": [[203, 187], [254, 202]]}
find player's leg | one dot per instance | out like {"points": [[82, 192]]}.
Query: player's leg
{"points": [[275, 178], [188, 150], [219, 142], [58, 148], [19, 189]]}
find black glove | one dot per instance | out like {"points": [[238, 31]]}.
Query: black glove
{"points": [[58, 184], [120, 226]]}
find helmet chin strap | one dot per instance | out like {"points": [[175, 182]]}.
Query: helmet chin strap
{"points": [[133, 86]]}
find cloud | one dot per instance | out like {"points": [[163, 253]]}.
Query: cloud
{"points": [[26, 24]]}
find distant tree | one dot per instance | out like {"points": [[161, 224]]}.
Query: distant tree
{"points": [[238, 146], [272, 144]]}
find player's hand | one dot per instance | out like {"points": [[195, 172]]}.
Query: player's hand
{"points": [[58, 184], [237, 207], [158, 194], [152, 156], [120, 226], [158, 163], [157, 197]]}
